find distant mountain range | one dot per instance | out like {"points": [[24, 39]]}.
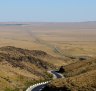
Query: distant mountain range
{"points": [[47, 23]]}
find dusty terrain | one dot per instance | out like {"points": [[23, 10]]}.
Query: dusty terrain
{"points": [[71, 44], [55, 38], [20, 68], [80, 76]]}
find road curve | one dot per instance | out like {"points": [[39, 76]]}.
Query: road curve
{"points": [[40, 86], [58, 75]]}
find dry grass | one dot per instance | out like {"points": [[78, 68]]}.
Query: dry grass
{"points": [[83, 82], [80, 76], [80, 67], [66, 41], [72, 39], [20, 67]]}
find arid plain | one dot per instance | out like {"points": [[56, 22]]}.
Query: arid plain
{"points": [[35, 48], [69, 39]]}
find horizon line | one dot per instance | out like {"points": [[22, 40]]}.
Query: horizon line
{"points": [[44, 21]]}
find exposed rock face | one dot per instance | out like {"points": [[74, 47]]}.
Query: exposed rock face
{"points": [[62, 70]]}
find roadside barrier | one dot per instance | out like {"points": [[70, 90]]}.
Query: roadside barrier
{"points": [[35, 85], [43, 83]]}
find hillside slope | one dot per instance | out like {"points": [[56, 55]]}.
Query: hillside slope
{"points": [[80, 76], [20, 68], [83, 82]]}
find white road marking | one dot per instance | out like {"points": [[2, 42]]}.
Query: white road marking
{"points": [[43, 83]]}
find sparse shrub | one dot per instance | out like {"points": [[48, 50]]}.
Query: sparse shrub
{"points": [[48, 76], [10, 89], [82, 58]]}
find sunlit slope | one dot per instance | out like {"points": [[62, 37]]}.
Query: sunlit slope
{"points": [[80, 76], [19, 67]]}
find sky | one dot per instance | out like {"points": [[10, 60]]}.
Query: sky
{"points": [[47, 10]]}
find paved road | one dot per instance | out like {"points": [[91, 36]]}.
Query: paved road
{"points": [[57, 75], [40, 87]]}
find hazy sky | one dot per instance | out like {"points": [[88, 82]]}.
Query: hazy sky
{"points": [[48, 10]]}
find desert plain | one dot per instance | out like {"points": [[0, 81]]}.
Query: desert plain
{"points": [[28, 50], [69, 39]]}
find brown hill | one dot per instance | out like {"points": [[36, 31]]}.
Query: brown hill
{"points": [[83, 82], [80, 76], [20, 68], [80, 67]]}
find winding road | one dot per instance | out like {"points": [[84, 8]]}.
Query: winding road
{"points": [[40, 86]]}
